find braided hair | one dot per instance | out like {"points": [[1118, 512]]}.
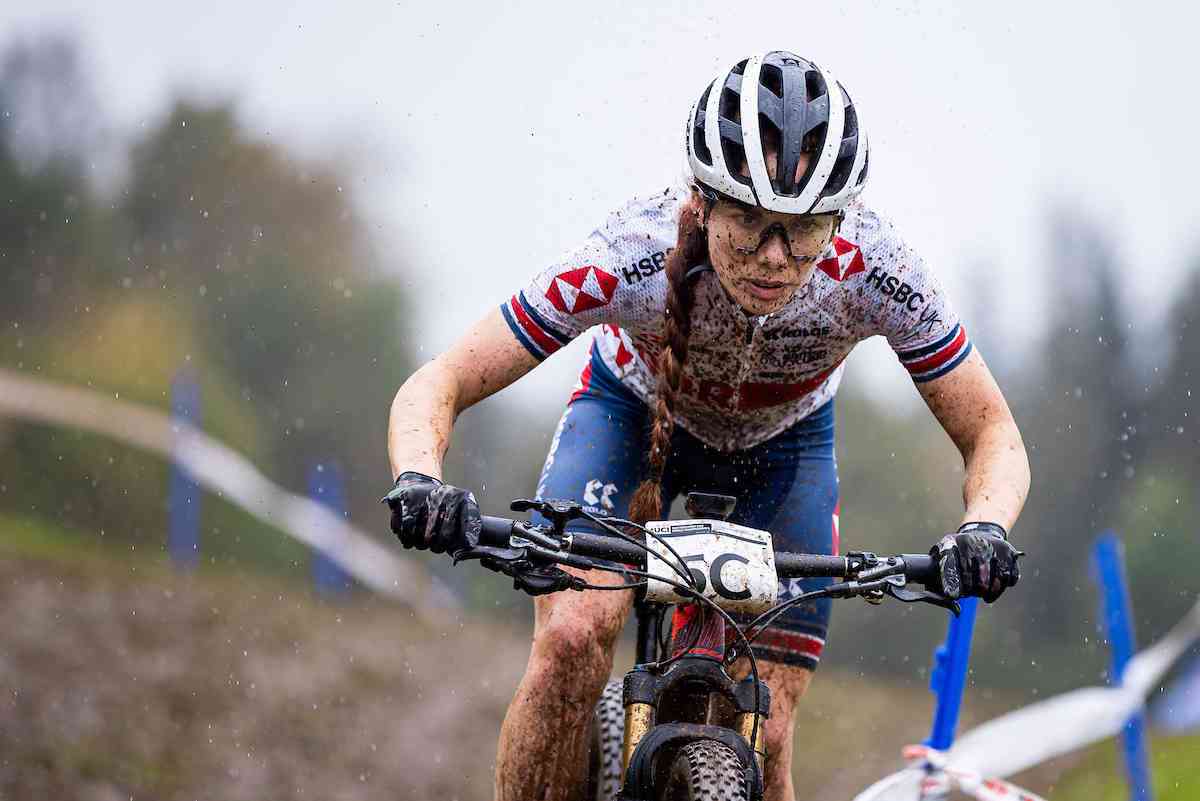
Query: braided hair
{"points": [[691, 251]]}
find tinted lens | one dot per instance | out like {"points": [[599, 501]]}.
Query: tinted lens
{"points": [[806, 235]]}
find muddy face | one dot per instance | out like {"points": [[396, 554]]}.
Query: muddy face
{"points": [[763, 257], [779, 263]]}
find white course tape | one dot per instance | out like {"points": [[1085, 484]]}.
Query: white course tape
{"points": [[1031, 735], [227, 473], [1067, 722], [902, 786]]}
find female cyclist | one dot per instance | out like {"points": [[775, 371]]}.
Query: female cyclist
{"points": [[723, 311]]}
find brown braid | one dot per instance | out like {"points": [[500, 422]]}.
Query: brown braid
{"points": [[691, 249]]}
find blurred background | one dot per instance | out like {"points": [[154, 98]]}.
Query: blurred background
{"points": [[295, 205]]}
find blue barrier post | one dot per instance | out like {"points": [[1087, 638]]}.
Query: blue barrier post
{"points": [[325, 486], [1109, 573], [949, 675], [183, 494]]}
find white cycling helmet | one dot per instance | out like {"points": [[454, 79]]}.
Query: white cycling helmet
{"points": [[803, 110]]}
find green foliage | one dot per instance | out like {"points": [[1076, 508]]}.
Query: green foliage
{"points": [[1101, 776]]}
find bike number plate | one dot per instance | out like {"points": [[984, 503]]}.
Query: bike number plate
{"points": [[732, 565]]}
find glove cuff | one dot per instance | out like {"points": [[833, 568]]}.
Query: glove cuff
{"points": [[411, 474], [984, 527]]}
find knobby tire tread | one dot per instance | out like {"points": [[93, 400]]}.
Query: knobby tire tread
{"points": [[608, 735], [705, 770]]}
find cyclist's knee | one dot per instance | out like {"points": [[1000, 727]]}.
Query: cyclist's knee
{"points": [[577, 640]]}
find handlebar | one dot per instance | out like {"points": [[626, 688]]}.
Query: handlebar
{"points": [[497, 532]]}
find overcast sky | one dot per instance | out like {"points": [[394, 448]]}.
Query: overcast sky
{"points": [[981, 116]]}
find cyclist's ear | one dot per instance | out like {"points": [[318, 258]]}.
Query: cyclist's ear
{"points": [[700, 204]]}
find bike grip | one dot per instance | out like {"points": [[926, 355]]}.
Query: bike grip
{"points": [[921, 568], [496, 531], [807, 565], [937, 573]]}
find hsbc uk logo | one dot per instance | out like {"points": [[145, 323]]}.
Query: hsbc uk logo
{"points": [[580, 289], [846, 260]]}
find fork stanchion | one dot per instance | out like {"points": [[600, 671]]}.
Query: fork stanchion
{"points": [[949, 675], [183, 493], [1108, 565]]}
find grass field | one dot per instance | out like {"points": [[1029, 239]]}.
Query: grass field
{"points": [[1174, 763], [120, 678]]}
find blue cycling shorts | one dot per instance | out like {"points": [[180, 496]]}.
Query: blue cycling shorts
{"points": [[787, 485]]}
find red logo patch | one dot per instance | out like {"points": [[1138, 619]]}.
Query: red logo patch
{"points": [[583, 288], [846, 261]]}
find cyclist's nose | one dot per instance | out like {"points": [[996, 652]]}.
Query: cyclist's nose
{"points": [[774, 251]]}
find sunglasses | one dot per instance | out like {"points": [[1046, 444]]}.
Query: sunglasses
{"points": [[805, 236]]}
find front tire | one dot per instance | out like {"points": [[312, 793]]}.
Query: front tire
{"points": [[608, 736], [705, 770]]}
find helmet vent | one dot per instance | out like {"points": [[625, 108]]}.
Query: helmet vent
{"points": [[730, 107], [814, 83], [841, 167], [862, 176], [699, 145], [771, 77], [735, 160]]}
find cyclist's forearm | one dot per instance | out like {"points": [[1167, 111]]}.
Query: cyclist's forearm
{"points": [[420, 421], [485, 360], [997, 480]]}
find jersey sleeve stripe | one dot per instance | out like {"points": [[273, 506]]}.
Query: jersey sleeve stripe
{"points": [[940, 356], [543, 340], [550, 330], [908, 356], [520, 334], [938, 372]]}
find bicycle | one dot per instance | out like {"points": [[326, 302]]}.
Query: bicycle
{"points": [[681, 728]]}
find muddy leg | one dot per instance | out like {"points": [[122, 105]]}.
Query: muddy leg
{"points": [[542, 752]]}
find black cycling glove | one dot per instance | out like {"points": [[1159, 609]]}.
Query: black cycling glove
{"points": [[986, 561], [427, 513]]}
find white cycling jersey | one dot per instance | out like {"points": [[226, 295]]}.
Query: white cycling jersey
{"points": [[747, 378]]}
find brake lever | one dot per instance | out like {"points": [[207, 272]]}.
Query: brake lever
{"points": [[902, 593], [483, 552]]}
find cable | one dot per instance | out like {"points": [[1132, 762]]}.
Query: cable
{"points": [[683, 573], [775, 611], [633, 586]]}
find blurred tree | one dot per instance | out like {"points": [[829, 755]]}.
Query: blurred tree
{"points": [[1075, 409], [1175, 409], [52, 232], [219, 251], [50, 110], [267, 259]]}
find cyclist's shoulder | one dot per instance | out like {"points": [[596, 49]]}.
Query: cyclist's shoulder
{"points": [[633, 242], [871, 230], [647, 218], [868, 248]]}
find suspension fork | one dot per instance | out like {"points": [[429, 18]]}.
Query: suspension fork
{"points": [[696, 632]]}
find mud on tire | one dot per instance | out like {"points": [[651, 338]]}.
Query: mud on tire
{"points": [[705, 770]]}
